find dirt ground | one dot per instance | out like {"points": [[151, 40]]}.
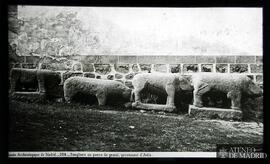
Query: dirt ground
{"points": [[75, 127]]}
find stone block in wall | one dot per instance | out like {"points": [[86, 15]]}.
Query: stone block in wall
{"points": [[135, 68], [121, 81], [29, 65], [69, 74], [110, 77], [245, 59], [122, 68], [222, 68], [55, 64], [225, 59], [207, 67], [102, 59], [145, 68], [251, 77], [32, 59], [129, 84], [118, 76], [128, 59], [87, 67], [238, 68], [259, 78], [205, 59], [184, 59], [160, 68], [103, 69], [189, 68], [13, 58], [259, 59], [89, 75], [17, 65], [175, 68], [130, 76], [156, 59], [256, 68]]}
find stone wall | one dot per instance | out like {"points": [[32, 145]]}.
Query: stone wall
{"points": [[123, 68]]}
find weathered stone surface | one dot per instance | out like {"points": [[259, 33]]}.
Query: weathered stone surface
{"points": [[56, 64], [121, 81], [104, 59], [256, 68], [135, 68], [145, 67], [78, 88], [13, 58], [222, 68], [88, 67], [207, 67], [205, 59], [130, 76], [32, 59], [67, 75], [157, 107], [129, 84], [89, 75], [245, 59], [259, 59], [127, 59], [122, 68], [110, 77], [251, 77], [188, 68], [118, 76], [238, 68], [28, 96], [225, 59], [29, 66], [77, 66], [157, 59], [175, 68], [17, 65], [184, 59], [103, 69], [160, 68], [214, 113], [259, 79]]}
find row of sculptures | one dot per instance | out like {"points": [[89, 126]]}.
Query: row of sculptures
{"points": [[234, 85]]}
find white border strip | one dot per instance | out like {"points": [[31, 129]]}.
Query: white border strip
{"points": [[70, 154]]}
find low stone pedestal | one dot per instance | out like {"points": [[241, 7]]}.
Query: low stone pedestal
{"points": [[214, 113], [28, 96], [157, 107]]}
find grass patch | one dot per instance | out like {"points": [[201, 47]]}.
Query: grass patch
{"points": [[76, 127]]}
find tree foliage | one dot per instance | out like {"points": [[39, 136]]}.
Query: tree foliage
{"points": [[60, 35]]}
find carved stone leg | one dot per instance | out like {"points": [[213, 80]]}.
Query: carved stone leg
{"points": [[235, 97], [101, 97], [41, 83], [198, 93], [171, 92]]}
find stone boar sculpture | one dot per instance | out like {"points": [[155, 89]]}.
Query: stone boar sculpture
{"points": [[167, 83], [45, 81], [234, 85], [101, 89]]}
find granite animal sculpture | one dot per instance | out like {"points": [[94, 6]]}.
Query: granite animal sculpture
{"points": [[101, 89], [234, 85], [45, 81], [160, 83]]}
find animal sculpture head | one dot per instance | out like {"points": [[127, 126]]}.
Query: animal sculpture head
{"points": [[184, 83]]}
